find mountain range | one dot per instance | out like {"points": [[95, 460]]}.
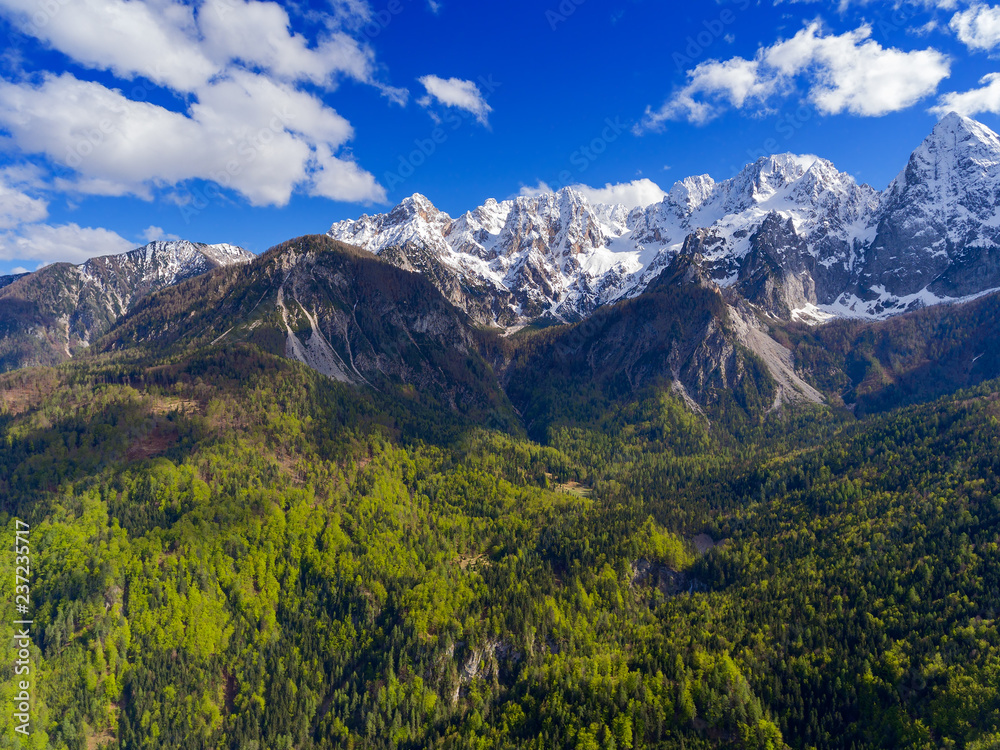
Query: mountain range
{"points": [[551, 475], [792, 234], [700, 293], [48, 316]]}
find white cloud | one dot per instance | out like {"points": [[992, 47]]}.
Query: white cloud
{"points": [[633, 194], [986, 98], [434, 6], [66, 242], [454, 92], [154, 233], [171, 45], [258, 35], [542, 188], [246, 121], [856, 74], [349, 14], [101, 187], [16, 207], [247, 132], [844, 5], [845, 73], [19, 269], [978, 27], [25, 176], [157, 40], [642, 192], [342, 180], [713, 86]]}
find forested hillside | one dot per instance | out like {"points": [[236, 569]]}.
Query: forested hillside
{"points": [[904, 360], [629, 456], [235, 551]]}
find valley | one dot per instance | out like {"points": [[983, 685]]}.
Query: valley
{"points": [[339, 497]]}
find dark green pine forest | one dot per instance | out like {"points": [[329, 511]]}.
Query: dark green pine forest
{"points": [[502, 542]]}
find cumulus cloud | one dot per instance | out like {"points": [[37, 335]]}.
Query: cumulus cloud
{"points": [[260, 137], [153, 233], [855, 74], [258, 35], [178, 46], [849, 72], [454, 92], [978, 27], [712, 86], [633, 194], [17, 207], [154, 40], [252, 119], [985, 98], [65, 242]]}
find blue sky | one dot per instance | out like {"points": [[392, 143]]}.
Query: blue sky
{"points": [[228, 121]]}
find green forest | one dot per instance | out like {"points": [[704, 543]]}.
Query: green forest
{"points": [[233, 551]]}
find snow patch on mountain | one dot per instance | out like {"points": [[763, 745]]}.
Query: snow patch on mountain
{"points": [[125, 278], [61, 308], [886, 304], [558, 254], [932, 236]]}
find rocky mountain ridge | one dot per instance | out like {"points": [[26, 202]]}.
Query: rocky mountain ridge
{"points": [[336, 309], [797, 237], [363, 321], [49, 315]]}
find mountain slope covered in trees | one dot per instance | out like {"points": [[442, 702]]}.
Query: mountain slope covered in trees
{"points": [[533, 541], [53, 314]]}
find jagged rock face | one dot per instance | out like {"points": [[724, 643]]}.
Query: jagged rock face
{"points": [[47, 316], [683, 334], [559, 256], [361, 324], [777, 274], [506, 262], [336, 309], [833, 248], [483, 300], [940, 214]]}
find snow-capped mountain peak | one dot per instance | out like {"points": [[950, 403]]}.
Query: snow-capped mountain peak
{"points": [[958, 156], [558, 254], [843, 247], [938, 220], [954, 130], [759, 181], [691, 193], [126, 277], [165, 261], [77, 304]]}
